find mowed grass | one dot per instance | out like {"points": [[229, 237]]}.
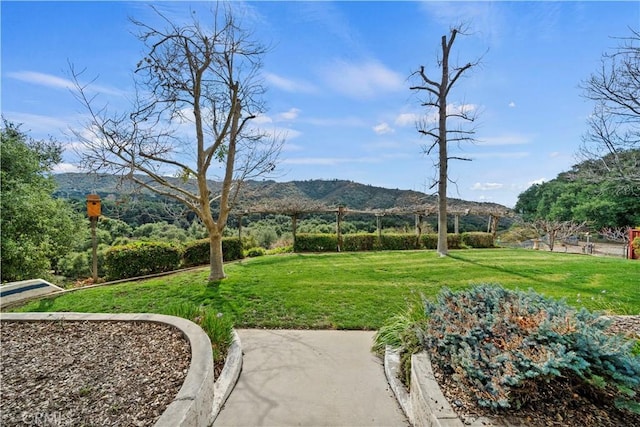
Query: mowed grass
{"points": [[361, 290]]}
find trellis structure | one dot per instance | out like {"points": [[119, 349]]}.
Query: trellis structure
{"points": [[294, 208]]}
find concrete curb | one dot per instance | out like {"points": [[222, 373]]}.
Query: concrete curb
{"points": [[392, 372], [192, 405], [424, 404], [229, 376]]}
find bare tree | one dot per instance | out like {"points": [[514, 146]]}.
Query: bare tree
{"points": [[618, 235], [556, 230], [197, 90], [614, 126], [437, 93]]}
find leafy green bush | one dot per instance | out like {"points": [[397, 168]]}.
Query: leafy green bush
{"points": [[198, 251], [503, 346], [477, 239], [430, 241], [635, 244], [398, 242], [254, 252], [315, 243], [78, 265], [287, 249], [141, 258], [359, 242]]}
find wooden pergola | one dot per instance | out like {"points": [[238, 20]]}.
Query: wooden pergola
{"points": [[295, 208]]}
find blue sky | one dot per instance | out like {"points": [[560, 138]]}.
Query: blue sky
{"points": [[337, 78]]}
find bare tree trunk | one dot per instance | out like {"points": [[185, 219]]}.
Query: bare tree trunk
{"points": [[216, 272], [437, 93], [443, 247]]}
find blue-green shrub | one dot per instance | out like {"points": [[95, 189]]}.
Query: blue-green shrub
{"points": [[502, 346], [315, 243], [477, 239], [198, 251], [141, 258]]}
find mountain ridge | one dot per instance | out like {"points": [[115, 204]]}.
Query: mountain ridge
{"points": [[331, 193]]}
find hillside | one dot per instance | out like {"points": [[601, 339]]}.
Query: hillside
{"points": [[330, 193]]}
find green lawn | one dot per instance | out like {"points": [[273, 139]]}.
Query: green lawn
{"points": [[360, 290]]}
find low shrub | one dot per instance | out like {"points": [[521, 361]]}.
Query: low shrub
{"points": [[217, 326], [197, 252], [430, 241], [315, 243], [635, 244], [280, 250], [400, 332], [504, 346], [359, 242], [477, 239], [141, 258], [254, 252], [398, 242]]}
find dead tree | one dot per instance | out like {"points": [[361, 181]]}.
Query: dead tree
{"points": [[197, 90], [613, 137], [437, 93]]}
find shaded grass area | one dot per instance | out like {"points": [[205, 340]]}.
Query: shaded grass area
{"points": [[360, 290]]}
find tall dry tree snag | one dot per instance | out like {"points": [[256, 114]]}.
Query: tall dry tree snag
{"points": [[437, 93], [613, 137], [197, 89]]}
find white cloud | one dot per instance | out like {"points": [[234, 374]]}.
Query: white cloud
{"points": [[289, 85], [506, 139], [383, 128], [536, 181], [555, 154], [291, 147], [37, 124], [332, 122], [500, 155], [292, 114], [329, 161], [65, 167], [487, 186], [261, 119], [512, 104], [56, 82], [405, 119], [362, 81]]}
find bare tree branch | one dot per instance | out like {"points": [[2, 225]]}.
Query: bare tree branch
{"points": [[197, 91]]}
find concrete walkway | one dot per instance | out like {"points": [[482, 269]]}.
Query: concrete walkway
{"points": [[310, 378]]}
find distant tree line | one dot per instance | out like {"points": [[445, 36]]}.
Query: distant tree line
{"points": [[575, 196]]}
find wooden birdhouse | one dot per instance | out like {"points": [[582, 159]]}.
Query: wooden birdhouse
{"points": [[93, 205]]}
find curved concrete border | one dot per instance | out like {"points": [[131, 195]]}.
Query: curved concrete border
{"points": [[192, 404], [229, 375], [424, 404]]}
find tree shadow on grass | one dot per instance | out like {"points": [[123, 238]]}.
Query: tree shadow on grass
{"points": [[514, 272]]}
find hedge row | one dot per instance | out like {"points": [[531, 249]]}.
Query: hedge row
{"points": [[371, 242], [142, 258], [197, 252]]}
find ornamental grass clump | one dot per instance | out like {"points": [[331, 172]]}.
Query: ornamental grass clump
{"points": [[504, 346]]}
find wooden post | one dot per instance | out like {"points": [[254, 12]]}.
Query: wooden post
{"points": [[338, 225], [294, 227], [93, 212]]}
